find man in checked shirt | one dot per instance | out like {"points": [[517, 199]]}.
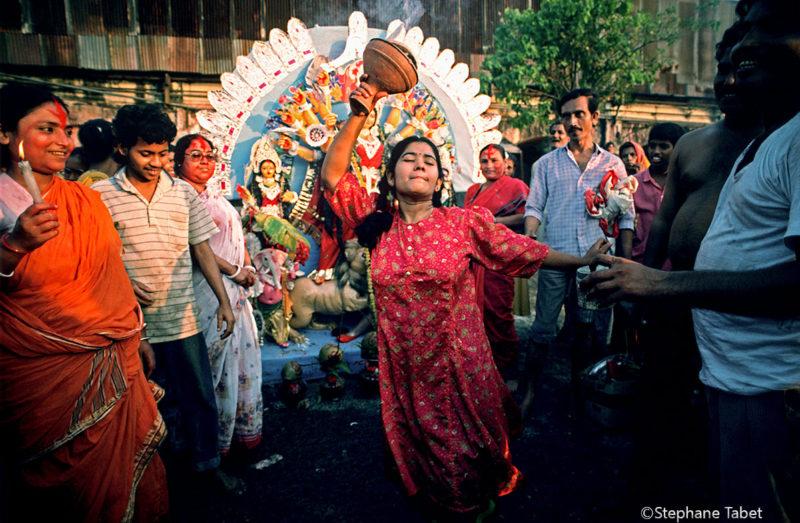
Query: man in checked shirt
{"points": [[559, 181]]}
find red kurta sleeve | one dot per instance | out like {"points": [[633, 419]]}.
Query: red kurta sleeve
{"points": [[499, 249], [351, 202]]}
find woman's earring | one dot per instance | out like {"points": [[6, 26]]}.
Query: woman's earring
{"points": [[396, 204]]}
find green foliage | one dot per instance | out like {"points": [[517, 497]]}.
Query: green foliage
{"points": [[602, 44]]}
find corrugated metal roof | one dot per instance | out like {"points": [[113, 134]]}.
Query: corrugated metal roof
{"points": [[60, 50], [184, 54], [22, 49], [87, 17], [153, 53], [93, 52], [247, 18], [124, 52], [100, 39], [217, 56]]}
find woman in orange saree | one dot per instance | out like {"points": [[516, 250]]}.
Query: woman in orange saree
{"points": [[78, 417]]}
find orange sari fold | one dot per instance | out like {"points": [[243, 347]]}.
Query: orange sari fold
{"points": [[79, 418]]}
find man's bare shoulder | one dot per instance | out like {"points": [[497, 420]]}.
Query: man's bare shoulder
{"points": [[707, 154], [717, 136], [703, 137]]}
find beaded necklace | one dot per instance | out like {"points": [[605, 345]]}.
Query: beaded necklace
{"points": [[371, 290]]}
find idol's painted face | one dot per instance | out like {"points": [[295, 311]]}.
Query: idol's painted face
{"points": [[43, 135], [267, 171], [199, 162], [493, 165]]}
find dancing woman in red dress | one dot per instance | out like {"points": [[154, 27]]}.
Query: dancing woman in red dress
{"points": [[444, 406]]}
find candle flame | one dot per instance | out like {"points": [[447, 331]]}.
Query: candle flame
{"points": [[21, 151]]}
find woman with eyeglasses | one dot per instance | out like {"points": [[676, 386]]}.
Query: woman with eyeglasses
{"points": [[236, 360]]}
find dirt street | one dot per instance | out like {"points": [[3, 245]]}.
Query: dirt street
{"points": [[332, 465]]}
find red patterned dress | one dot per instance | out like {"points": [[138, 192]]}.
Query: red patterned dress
{"points": [[442, 399]]}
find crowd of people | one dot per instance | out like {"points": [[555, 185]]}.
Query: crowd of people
{"points": [[129, 345]]}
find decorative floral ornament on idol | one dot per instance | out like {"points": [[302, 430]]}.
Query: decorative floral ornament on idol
{"points": [[259, 79], [298, 35], [284, 49], [265, 57]]}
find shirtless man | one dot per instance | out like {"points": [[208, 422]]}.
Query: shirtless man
{"points": [[700, 165], [670, 436]]}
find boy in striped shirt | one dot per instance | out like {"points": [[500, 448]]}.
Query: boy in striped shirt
{"points": [[164, 226]]}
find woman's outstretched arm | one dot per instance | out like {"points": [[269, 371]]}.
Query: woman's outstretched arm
{"points": [[560, 260]]}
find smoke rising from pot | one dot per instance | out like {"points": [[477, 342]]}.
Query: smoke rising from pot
{"points": [[409, 11]]}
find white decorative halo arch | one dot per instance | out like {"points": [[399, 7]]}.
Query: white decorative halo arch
{"points": [[246, 109]]}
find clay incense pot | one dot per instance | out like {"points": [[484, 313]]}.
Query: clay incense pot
{"points": [[389, 67]]}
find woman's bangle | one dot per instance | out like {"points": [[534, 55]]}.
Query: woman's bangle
{"points": [[250, 268], [4, 275], [144, 338], [9, 247], [236, 273]]}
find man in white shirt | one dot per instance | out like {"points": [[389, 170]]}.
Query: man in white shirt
{"points": [[746, 272]]}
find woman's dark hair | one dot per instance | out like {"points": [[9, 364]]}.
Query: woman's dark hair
{"points": [[625, 146], [97, 139], [16, 102], [146, 121], [497, 146], [380, 221], [180, 150]]}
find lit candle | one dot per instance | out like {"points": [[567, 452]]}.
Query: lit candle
{"points": [[27, 173]]}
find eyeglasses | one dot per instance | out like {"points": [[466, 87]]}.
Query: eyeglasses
{"points": [[196, 156]]}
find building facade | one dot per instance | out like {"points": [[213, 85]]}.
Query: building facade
{"points": [[101, 54]]}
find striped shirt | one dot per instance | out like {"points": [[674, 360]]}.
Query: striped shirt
{"points": [[558, 185], [156, 236]]}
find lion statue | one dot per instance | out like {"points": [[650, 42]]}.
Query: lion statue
{"points": [[346, 292]]}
